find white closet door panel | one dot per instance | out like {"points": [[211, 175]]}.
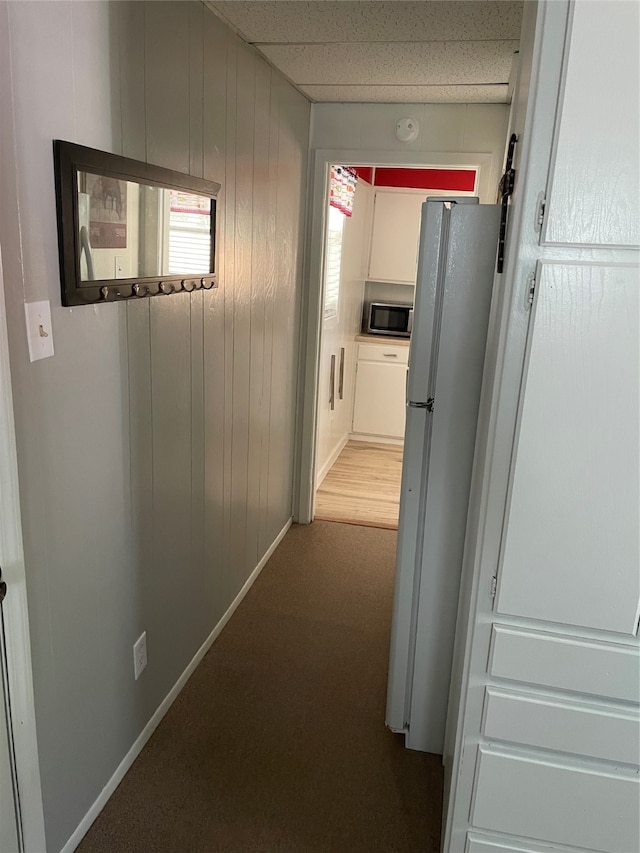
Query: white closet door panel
{"points": [[547, 722], [571, 552], [596, 178], [552, 801], [566, 663]]}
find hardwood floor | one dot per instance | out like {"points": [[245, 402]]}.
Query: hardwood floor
{"points": [[363, 486]]}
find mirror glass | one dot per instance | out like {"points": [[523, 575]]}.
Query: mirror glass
{"points": [[133, 230]]}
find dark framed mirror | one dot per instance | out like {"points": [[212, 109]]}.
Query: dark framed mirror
{"points": [[128, 230]]}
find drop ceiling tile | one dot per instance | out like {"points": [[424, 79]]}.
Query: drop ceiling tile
{"points": [[493, 94], [400, 64], [284, 21]]}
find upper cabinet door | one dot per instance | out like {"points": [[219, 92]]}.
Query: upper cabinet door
{"points": [[395, 234], [571, 551], [594, 192]]}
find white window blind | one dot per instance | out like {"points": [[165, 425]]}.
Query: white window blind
{"points": [[333, 263], [189, 234], [189, 251]]}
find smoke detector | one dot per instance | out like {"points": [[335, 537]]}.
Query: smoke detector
{"points": [[407, 129]]}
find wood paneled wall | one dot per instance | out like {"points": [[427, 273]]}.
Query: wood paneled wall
{"points": [[156, 447], [215, 372]]}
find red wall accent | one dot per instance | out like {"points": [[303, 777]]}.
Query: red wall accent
{"points": [[364, 173], [457, 180], [462, 180]]}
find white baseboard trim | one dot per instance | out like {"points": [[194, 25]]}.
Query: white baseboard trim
{"points": [[375, 439], [136, 749], [328, 465]]}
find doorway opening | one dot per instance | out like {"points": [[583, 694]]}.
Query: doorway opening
{"points": [[370, 242], [386, 334]]}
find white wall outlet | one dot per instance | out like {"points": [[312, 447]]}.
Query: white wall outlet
{"points": [[140, 654], [39, 331]]}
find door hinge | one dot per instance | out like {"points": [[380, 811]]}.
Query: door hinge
{"points": [[541, 207], [531, 290], [493, 587], [430, 404], [3, 588], [505, 191]]}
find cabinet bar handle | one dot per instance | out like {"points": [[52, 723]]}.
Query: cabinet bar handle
{"points": [[332, 384], [390, 354], [341, 375]]}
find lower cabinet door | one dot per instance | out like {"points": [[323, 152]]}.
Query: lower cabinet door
{"points": [[589, 807], [379, 407]]}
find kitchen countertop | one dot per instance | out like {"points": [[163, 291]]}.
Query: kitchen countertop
{"points": [[382, 339]]}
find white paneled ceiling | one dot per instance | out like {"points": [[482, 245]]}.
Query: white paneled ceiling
{"points": [[393, 51]]}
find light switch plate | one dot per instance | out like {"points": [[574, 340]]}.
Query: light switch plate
{"points": [[39, 330], [139, 655]]}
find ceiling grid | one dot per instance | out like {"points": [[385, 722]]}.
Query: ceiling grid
{"points": [[385, 51]]}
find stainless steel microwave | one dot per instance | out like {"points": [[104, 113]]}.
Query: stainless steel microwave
{"points": [[394, 319]]}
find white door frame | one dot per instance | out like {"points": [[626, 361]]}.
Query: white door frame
{"points": [[487, 165], [16, 617]]}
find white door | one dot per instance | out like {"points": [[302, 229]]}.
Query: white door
{"points": [[546, 691], [9, 821], [21, 818], [8, 811], [578, 429]]}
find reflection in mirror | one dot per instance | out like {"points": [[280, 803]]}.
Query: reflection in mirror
{"points": [[133, 230]]}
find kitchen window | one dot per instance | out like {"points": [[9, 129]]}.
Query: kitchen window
{"points": [[333, 263]]}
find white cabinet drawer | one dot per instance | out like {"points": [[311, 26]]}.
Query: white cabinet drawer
{"points": [[387, 353], [567, 663], [550, 801], [477, 844], [548, 722]]}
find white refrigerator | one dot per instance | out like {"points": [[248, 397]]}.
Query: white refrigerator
{"points": [[456, 264]]}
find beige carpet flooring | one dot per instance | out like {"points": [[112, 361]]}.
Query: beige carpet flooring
{"points": [[277, 743]]}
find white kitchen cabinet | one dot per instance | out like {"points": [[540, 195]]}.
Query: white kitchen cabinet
{"points": [[394, 237], [379, 406]]}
